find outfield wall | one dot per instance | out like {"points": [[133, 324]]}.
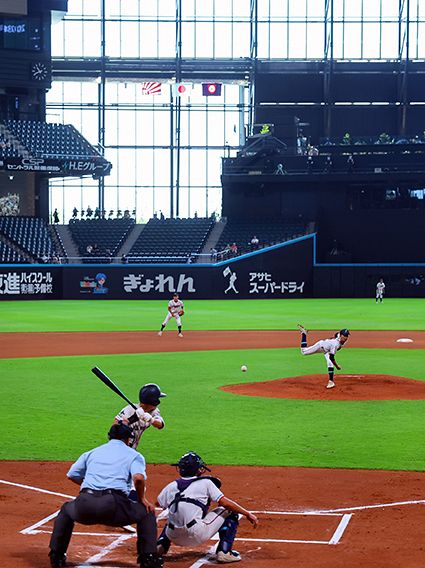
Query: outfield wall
{"points": [[283, 271]]}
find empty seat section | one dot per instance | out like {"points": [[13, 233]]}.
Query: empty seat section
{"points": [[30, 234], [171, 240], [49, 140], [99, 238]]}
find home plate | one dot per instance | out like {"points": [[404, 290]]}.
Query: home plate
{"points": [[404, 340]]}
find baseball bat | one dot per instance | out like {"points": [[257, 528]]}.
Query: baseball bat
{"points": [[107, 381]]}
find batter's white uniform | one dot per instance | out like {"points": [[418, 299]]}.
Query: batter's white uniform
{"points": [[137, 427], [326, 346], [174, 308], [380, 289], [204, 491]]}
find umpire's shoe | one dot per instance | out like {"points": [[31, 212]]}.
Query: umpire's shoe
{"points": [[57, 560], [151, 561]]}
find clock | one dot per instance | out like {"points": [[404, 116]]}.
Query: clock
{"points": [[39, 71]]}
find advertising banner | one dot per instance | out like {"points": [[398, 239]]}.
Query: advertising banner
{"points": [[30, 283]]}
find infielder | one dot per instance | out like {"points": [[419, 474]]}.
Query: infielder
{"points": [[175, 310], [147, 413], [190, 522], [380, 290], [326, 346]]}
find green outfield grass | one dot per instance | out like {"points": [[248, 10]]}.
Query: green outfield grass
{"points": [[110, 315], [55, 408]]}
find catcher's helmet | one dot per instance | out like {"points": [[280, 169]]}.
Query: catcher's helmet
{"points": [[120, 431], [150, 394], [191, 464], [344, 332]]}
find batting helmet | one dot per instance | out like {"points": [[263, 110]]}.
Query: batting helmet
{"points": [[119, 431], [191, 464], [150, 394], [344, 332]]}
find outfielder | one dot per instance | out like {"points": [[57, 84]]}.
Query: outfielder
{"points": [[190, 522], [380, 291], [147, 413], [326, 346], [175, 310]]}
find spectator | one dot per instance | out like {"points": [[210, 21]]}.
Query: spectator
{"points": [[97, 213], [254, 242], [89, 212], [124, 259], [213, 254], [55, 216], [234, 249], [74, 213]]}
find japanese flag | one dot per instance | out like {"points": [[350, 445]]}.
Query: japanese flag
{"points": [[181, 89]]}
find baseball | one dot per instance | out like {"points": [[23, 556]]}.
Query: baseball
{"points": [[244, 368]]}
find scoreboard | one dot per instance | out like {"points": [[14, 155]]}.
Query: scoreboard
{"points": [[25, 51], [21, 33]]}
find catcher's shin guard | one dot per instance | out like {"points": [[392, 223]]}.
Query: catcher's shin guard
{"points": [[227, 533]]}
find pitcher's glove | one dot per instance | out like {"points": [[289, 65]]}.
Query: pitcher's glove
{"points": [[181, 313]]}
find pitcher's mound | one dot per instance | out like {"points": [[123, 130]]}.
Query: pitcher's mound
{"points": [[348, 387]]}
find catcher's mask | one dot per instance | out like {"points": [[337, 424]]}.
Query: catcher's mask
{"points": [[150, 394], [191, 464], [119, 431]]}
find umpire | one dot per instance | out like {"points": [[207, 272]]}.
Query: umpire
{"points": [[105, 474]]}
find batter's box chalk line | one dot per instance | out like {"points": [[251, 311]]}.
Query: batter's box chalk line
{"points": [[345, 513]]}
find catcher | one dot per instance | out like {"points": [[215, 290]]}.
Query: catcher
{"points": [[175, 310], [190, 522]]}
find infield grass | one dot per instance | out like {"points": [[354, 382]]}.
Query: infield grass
{"points": [[55, 408], [130, 315]]}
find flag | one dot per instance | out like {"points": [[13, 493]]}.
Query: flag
{"points": [[211, 89], [151, 88], [181, 89]]}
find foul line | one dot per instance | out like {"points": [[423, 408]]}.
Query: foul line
{"points": [[37, 489], [313, 513], [380, 506]]}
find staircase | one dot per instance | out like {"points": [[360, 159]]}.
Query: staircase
{"points": [[211, 241], [130, 240], [65, 239]]}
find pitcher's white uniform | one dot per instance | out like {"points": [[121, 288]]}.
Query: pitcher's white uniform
{"points": [[174, 308], [137, 427], [326, 346], [204, 528]]}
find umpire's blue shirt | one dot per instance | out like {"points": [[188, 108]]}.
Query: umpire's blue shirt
{"points": [[110, 466]]}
